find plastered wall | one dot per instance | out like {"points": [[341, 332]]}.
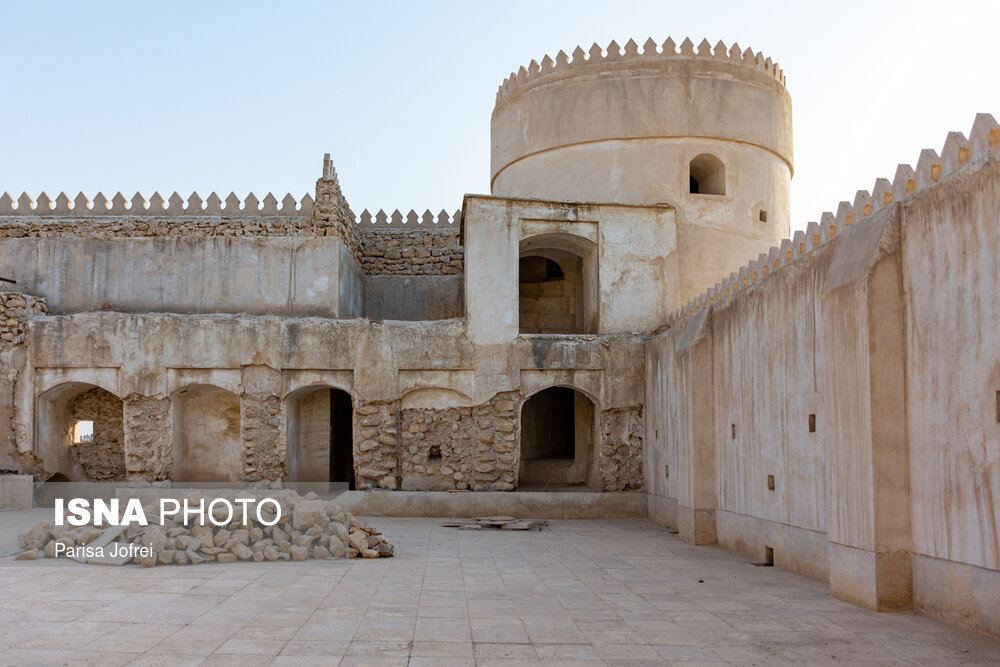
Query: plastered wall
{"points": [[882, 329]]}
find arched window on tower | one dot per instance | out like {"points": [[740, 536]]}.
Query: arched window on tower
{"points": [[707, 175]]}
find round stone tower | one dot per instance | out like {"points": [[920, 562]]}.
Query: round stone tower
{"points": [[707, 130]]}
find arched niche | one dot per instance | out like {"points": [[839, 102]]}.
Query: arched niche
{"points": [[320, 435], [80, 433], [707, 175], [557, 440], [207, 442], [558, 289]]}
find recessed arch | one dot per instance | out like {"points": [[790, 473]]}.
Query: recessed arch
{"points": [[707, 175], [437, 398], [557, 439], [97, 456], [319, 443], [207, 440], [557, 284]]}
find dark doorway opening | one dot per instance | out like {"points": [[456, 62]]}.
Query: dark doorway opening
{"points": [[557, 440], [341, 438]]}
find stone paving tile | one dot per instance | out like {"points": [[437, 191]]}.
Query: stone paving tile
{"points": [[566, 596]]}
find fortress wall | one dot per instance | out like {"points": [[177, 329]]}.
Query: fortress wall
{"points": [[881, 322], [951, 244], [283, 275]]}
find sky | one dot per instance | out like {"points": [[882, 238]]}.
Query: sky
{"points": [[220, 96]]}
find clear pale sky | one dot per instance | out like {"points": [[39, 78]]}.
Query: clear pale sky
{"points": [[248, 96]]}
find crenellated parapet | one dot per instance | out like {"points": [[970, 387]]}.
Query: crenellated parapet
{"points": [[650, 50], [411, 222], [394, 244], [958, 153], [138, 205]]}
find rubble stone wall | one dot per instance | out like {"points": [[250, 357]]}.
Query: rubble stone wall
{"points": [[435, 452], [17, 306], [140, 226], [376, 440], [147, 430], [103, 458], [621, 453], [428, 252]]}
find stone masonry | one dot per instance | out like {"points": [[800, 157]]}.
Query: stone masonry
{"points": [[103, 458], [410, 253]]}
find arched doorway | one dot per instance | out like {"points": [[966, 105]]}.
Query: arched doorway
{"points": [[80, 433], [557, 284], [320, 435], [208, 446], [557, 440]]}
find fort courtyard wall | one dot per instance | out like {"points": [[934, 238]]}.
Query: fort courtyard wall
{"points": [[833, 405]]}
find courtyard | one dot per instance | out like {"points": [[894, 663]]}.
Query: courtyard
{"points": [[586, 591]]}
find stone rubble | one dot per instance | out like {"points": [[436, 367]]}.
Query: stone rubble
{"points": [[308, 528]]}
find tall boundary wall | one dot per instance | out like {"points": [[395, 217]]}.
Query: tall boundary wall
{"points": [[835, 405]]}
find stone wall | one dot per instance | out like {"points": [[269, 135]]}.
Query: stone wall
{"points": [[103, 458], [16, 307], [149, 450], [422, 252], [496, 456], [620, 446], [376, 431], [141, 226], [435, 451]]}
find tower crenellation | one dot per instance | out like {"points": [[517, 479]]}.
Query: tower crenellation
{"points": [[650, 50]]}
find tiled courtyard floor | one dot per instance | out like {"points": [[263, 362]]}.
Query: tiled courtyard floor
{"points": [[618, 592]]}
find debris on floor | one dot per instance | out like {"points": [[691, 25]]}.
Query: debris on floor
{"points": [[496, 522]]}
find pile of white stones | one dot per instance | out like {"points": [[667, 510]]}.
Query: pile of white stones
{"points": [[307, 527]]}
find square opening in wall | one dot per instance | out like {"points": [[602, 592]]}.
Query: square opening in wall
{"points": [[770, 482], [732, 431], [812, 423], [83, 431], [762, 216], [666, 471], [434, 453], [769, 556]]}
